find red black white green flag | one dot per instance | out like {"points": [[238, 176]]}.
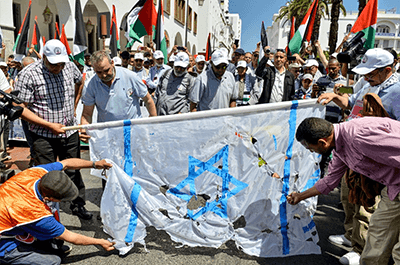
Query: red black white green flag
{"points": [[37, 39], [366, 22], [80, 34], [21, 43], [114, 38], [63, 39], [208, 48], [140, 21]]}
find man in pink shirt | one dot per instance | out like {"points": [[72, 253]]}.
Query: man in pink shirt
{"points": [[370, 146]]}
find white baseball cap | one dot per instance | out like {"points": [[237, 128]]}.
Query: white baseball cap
{"points": [[3, 64], [218, 57], [171, 58], [200, 58], [158, 54], [241, 64], [182, 59], [139, 56], [117, 61], [308, 76], [55, 52], [373, 59], [311, 62]]}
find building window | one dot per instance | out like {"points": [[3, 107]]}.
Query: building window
{"points": [[348, 28], [386, 44], [167, 6], [195, 23], [383, 29], [189, 20], [179, 13]]}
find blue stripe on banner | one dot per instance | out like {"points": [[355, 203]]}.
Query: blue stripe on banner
{"points": [[286, 175], [128, 163], [276, 143], [134, 215]]}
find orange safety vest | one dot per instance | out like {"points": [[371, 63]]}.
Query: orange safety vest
{"points": [[19, 203]]}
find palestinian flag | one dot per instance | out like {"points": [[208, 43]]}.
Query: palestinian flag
{"points": [[64, 40], [304, 31], [80, 34], [37, 39], [161, 43], [140, 21], [264, 41], [57, 32], [114, 38], [208, 48], [366, 22], [20, 46], [291, 34]]}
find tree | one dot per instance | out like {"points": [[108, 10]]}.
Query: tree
{"points": [[361, 5], [322, 11], [337, 6]]}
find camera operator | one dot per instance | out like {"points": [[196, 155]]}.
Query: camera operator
{"points": [[4, 123]]}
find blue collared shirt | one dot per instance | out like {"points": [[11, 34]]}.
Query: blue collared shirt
{"points": [[120, 101], [154, 75]]}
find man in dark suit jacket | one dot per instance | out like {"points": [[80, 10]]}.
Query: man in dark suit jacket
{"points": [[278, 82]]}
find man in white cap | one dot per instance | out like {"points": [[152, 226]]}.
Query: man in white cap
{"points": [[248, 85], [215, 88], [376, 68], [172, 92], [47, 88], [139, 69], [311, 67], [156, 71], [200, 64]]}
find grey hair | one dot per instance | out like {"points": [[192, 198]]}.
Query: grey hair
{"points": [[27, 60], [98, 56]]}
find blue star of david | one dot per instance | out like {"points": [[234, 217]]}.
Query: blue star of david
{"points": [[218, 207]]}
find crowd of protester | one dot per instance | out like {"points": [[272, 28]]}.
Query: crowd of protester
{"points": [[51, 86]]}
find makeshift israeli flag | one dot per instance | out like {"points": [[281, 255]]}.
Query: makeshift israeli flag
{"points": [[212, 176]]}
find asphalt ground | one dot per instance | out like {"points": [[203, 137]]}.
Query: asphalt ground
{"points": [[160, 249]]}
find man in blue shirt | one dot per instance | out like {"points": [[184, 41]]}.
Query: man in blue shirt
{"points": [[156, 71], [115, 91], [27, 217]]}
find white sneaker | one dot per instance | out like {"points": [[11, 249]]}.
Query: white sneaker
{"points": [[340, 240], [351, 258]]}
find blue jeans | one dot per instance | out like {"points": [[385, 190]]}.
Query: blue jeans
{"points": [[27, 254]]}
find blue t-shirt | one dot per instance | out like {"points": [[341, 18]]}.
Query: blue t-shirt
{"points": [[120, 101], [44, 229]]}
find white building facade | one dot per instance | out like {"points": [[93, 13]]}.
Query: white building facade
{"points": [[387, 30], [190, 20]]}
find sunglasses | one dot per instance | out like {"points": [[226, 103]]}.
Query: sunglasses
{"points": [[219, 67]]}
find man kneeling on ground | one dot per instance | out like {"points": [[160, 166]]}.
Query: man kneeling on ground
{"points": [[25, 215]]}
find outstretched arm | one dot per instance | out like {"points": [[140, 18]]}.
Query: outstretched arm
{"points": [[79, 239], [294, 197], [77, 163]]}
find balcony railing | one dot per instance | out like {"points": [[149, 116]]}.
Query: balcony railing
{"points": [[385, 34]]}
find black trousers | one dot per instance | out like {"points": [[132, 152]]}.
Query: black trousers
{"points": [[47, 150]]}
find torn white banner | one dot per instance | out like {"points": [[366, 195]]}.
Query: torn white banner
{"points": [[206, 180]]}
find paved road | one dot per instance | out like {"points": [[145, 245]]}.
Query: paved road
{"points": [[161, 249]]}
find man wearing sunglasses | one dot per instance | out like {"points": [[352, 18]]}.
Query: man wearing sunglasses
{"points": [[278, 82], [215, 88], [48, 88]]}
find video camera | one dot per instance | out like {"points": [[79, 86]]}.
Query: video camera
{"points": [[11, 112], [6, 105], [354, 50], [322, 83]]}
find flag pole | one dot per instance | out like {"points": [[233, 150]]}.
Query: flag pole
{"points": [[198, 115]]}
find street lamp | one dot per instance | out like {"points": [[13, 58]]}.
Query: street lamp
{"points": [[201, 2]]}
